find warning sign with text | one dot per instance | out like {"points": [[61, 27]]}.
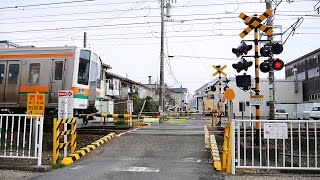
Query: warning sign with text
{"points": [[35, 104]]}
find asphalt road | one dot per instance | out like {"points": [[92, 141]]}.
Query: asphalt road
{"points": [[160, 151]]}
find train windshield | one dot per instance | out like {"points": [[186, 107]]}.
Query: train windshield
{"points": [[84, 66]]}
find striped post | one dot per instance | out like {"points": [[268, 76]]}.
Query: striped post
{"points": [[256, 56], [57, 134]]}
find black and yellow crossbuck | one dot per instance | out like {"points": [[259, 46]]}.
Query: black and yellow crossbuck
{"points": [[254, 22]]}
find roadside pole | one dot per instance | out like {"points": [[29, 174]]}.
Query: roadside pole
{"points": [[65, 110]]}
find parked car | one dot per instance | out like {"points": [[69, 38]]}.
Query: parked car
{"points": [[314, 113], [281, 114]]}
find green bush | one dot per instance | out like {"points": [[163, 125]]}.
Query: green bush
{"points": [[57, 166], [121, 122]]}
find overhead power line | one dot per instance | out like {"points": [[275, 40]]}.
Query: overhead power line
{"points": [[44, 4]]}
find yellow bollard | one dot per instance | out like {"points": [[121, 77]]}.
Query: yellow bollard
{"points": [[225, 147], [229, 157]]}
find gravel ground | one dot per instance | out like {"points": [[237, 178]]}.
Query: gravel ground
{"points": [[14, 175]]}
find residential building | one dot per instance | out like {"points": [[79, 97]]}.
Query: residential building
{"points": [[286, 92], [306, 69]]}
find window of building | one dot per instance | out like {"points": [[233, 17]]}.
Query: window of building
{"points": [[58, 70], [34, 73], [84, 66], [116, 85], [247, 103]]}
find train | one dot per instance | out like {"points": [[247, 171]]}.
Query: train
{"points": [[47, 70]]}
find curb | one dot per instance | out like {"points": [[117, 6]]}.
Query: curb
{"points": [[33, 168], [83, 151], [215, 153]]}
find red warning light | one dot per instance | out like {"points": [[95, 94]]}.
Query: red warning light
{"points": [[277, 64]]}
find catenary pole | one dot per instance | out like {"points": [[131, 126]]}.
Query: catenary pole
{"points": [[257, 80], [271, 72]]}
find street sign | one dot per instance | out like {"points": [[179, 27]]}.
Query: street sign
{"points": [[229, 94], [36, 103], [254, 22], [65, 104], [256, 100], [219, 70], [130, 106]]}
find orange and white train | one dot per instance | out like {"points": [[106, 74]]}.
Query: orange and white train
{"points": [[48, 70]]}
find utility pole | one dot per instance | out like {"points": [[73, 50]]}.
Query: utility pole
{"points": [[271, 72], [181, 98], [85, 39], [161, 99]]}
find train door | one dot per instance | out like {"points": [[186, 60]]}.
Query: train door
{"points": [[9, 81], [57, 79], [93, 83]]}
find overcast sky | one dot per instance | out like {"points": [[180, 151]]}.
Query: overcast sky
{"points": [[126, 33]]}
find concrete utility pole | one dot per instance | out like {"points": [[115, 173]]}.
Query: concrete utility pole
{"points": [[271, 72], [85, 39], [161, 99], [181, 97]]}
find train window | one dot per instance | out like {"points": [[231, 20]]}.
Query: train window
{"points": [[13, 74], [1, 73], [58, 70], [34, 73], [84, 65]]}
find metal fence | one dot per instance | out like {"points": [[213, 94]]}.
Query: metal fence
{"points": [[21, 136], [279, 144]]}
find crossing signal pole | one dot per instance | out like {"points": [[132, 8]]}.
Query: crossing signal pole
{"points": [[219, 71], [254, 23]]}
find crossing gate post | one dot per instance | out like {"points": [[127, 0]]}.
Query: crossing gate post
{"points": [[227, 153], [57, 133], [225, 147]]}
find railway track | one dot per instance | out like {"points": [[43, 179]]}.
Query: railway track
{"points": [[102, 130]]}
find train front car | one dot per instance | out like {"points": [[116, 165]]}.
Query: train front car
{"points": [[86, 83]]}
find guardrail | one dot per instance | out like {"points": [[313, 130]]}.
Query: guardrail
{"points": [[21, 136], [282, 144], [57, 133]]}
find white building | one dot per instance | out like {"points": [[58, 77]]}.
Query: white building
{"points": [[285, 94]]}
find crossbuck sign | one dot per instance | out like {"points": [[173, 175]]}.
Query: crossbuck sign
{"points": [[254, 22]]}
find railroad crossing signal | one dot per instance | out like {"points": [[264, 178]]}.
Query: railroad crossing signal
{"points": [[254, 22], [219, 70]]}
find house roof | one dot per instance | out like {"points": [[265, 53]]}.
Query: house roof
{"points": [[125, 79], [304, 56]]}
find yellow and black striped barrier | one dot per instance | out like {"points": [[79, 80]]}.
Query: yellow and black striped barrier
{"points": [[215, 153], [83, 151], [116, 116], [57, 133]]}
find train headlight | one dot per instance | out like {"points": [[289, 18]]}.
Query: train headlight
{"points": [[80, 91]]}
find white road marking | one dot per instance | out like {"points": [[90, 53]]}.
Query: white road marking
{"points": [[76, 167], [127, 132], [141, 169]]}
